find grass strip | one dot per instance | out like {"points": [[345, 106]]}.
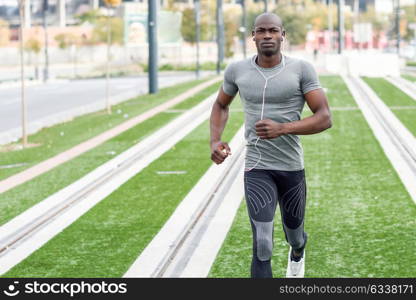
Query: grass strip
{"points": [[20, 198], [359, 218], [107, 239], [393, 97], [58, 138]]}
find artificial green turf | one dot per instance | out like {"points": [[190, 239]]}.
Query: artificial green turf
{"points": [[107, 239], [394, 98], [409, 77], [20, 198], [58, 138], [360, 220]]}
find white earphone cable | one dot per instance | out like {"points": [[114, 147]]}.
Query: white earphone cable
{"points": [[253, 62]]}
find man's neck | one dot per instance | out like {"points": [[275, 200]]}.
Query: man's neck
{"points": [[269, 61]]}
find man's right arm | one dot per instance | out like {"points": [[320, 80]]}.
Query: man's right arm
{"points": [[219, 116]]}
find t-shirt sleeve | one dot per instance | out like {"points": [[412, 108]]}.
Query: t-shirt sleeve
{"points": [[309, 81], [229, 87]]}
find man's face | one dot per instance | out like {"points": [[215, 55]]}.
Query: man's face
{"points": [[268, 37]]}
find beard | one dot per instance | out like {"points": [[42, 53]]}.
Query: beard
{"points": [[269, 52]]}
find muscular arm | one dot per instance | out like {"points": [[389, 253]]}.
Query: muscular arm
{"points": [[219, 117], [319, 121]]}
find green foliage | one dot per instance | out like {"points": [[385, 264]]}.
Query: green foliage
{"points": [[408, 18], [300, 16], [66, 40], [294, 22], [230, 26], [188, 26], [251, 16], [231, 29], [91, 16], [377, 20], [99, 34], [170, 5], [4, 32], [293, 15]]}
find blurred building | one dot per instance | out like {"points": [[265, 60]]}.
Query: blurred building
{"points": [[60, 12], [381, 6]]}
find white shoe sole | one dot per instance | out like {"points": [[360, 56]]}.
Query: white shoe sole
{"points": [[301, 273]]}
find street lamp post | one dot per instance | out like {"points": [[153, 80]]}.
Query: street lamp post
{"points": [[109, 4], [330, 25], [397, 21], [340, 26], [22, 74], [152, 30], [45, 30], [243, 28], [220, 35]]}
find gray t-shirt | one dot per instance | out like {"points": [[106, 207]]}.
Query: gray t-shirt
{"points": [[288, 82]]}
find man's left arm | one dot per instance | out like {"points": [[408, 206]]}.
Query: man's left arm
{"points": [[319, 121]]}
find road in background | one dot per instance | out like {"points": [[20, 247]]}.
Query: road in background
{"points": [[54, 102]]}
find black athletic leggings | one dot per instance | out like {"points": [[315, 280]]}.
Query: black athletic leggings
{"points": [[263, 190]]}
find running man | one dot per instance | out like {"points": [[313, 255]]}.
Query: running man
{"points": [[273, 89]]}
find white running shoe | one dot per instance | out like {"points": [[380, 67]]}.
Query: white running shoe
{"points": [[295, 269]]}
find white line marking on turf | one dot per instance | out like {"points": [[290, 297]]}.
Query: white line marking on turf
{"points": [[13, 166], [170, 172]]}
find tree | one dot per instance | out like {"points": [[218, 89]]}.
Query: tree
{"points": [[4, 32], [188, 26], [231, 29], [91, 16], [294, 21], [72, 41], [171, 5], [66, 40], [33, 45], [407, 18], [208, 18]]}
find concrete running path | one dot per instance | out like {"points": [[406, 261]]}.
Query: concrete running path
{"points": [[77, 150]]}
